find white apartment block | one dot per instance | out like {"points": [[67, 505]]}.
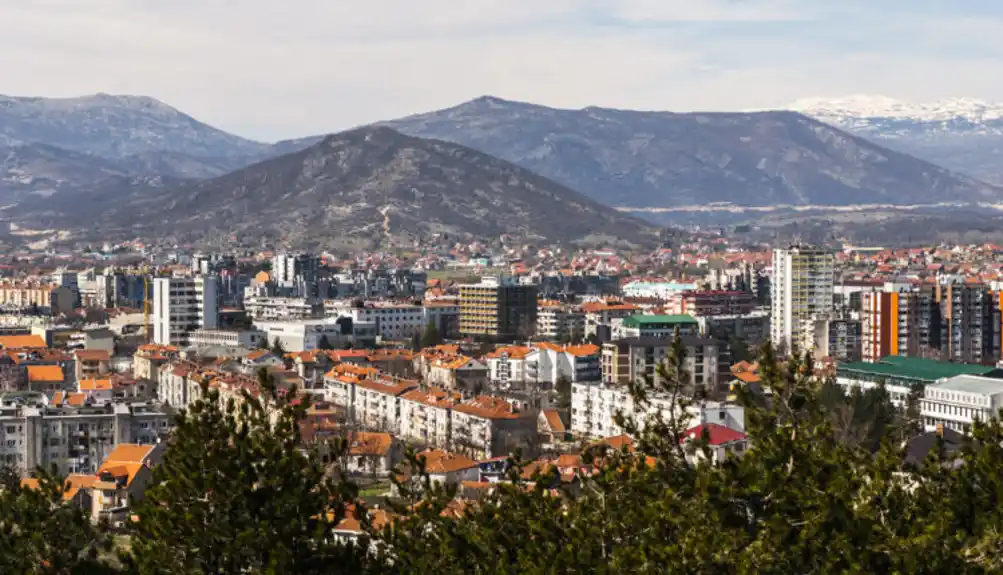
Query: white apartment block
{"points": [[594, 406], [956, 402], [229, 338], [544, 363], [394, 321], [803, 280], [181, 306], [373, 404], [559, 322], [290, 269], [426, 416], [282, 308], [76, 439]]}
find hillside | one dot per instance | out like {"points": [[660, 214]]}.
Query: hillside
{"points": [[368, 184], [117, 127], [661, 159]]}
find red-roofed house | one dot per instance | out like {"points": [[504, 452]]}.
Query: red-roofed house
{"points": [[722, 441], [91, 363]]}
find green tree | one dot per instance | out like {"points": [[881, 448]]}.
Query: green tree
{"points": [[41, 532], [278, 349], [431, 337], [237, 492], [563, 388]]}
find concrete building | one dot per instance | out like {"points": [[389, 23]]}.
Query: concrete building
{"points": [[838, 339], [657, 326], [74, 435], [293, 270], [902, 375], [498, 308], [283, 308], [229, 338], [43, 298], [181, 306], [560, 322], [956, 402], [634, 359], [803, 280]]}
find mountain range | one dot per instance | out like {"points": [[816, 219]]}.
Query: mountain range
{"points": [[963, 134], [367, 184], [137, 161]]}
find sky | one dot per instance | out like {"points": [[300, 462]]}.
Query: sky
{"points": [[273, 69]]}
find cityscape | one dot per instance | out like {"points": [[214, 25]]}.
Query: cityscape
{"points": [[501, 288]]}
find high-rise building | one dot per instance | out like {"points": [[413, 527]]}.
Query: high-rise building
{"points": [[183, 305], [890, 322], [499, 308], [293, 270], [969, 322], [803, 280]]}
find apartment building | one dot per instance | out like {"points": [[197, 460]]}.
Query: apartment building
{"points": [[372, 402], [181, 306], [559, 322], [594, 406], [628, 360], [150, 358], [486, 427], [228, 338], [498, 308], [72, 434], [655, 326], [283, 308], [838, 339], [803, 280], [889, 324], [426, 416], [970, 324], [47, 298], [713, 302], [91, 364]]}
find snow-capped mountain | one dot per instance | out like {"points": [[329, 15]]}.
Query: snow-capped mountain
{"points": [[964, 134]]}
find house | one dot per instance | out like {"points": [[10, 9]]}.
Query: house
{"points": [[122, 478], [260, 358], [722, 441], [96, 390], [447, 468], [92, 364], [349, 529], [45, 378], [487, 426], [371, 453], [149, 359], [551, 427], [76, 489], [460, 373]]}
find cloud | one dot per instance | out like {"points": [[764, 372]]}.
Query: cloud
{"points": [[283, 69]]}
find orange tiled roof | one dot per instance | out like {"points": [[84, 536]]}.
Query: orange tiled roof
{"points": [[441, 461], [92, 355], [23, 341], [129, 453], [94, 385], [369, 443], [512, 351], [488, 407], [45, 374], [554, 420]]}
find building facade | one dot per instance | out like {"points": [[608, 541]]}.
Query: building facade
{"points": [[803, 280], [499, 308], [181, 306]]}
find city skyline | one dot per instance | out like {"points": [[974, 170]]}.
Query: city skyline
{"points": [[309, 68]]}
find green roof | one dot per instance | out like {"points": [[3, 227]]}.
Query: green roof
{"points": [[916, 368], [649, 320]]}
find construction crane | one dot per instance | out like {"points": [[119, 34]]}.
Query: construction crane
{"points": [[146, 301]]}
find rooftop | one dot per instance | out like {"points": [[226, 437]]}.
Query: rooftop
{"points": [[971, 384], [650, 320], [916, 368]]}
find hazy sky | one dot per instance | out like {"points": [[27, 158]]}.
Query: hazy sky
{"points": [[272, 69]]}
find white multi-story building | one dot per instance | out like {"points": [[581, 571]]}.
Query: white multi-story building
{"points": [[558, 322], [426, 416], [75, 436], [232, 338], [282, 308], [594, 407], [803, 279], [956, 402], [394, 321], [181, 306]]}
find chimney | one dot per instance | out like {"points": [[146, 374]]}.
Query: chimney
{"points": [[940, 430]]}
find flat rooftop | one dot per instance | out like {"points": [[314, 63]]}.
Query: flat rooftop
{"points": [[971, 384]]}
